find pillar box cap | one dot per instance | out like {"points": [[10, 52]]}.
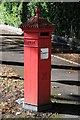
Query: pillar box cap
{"points": [[37, 22]]}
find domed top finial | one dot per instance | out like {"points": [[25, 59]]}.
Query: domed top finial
{"points": [[37, 11]]}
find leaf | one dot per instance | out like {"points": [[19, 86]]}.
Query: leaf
{"points": [[18, 113]]}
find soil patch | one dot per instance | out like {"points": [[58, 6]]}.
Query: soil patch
{"points": [[72, 57]]}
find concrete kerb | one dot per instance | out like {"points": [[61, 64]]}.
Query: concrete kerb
{"points": [[75, 63]]}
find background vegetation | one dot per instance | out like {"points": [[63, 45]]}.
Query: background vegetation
{"points": [[66, 16]]}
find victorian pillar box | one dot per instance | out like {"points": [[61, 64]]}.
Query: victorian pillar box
{"points": [[37, 62]]}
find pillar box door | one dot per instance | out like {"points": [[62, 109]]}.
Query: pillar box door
{"points": [[37, 62]]}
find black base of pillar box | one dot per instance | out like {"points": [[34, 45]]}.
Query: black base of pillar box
{"points": [[40, 108]]}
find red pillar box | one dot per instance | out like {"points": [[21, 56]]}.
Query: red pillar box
{"points": [[37, 62]]}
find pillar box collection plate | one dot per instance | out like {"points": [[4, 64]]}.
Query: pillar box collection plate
{"points": [[37, 62]]}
